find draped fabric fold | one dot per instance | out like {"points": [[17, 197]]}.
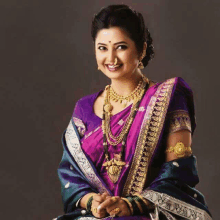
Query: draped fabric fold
{"points": [[170, 186]]}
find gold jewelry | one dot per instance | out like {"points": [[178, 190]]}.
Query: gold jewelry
{"points": [[113, 199], [140, 65], [129, 205], [113, 168], [98, 68], [127, 124], [115, 61], [125, 99], [180, 150], [115, 165], [116, 211], [95, 210]]}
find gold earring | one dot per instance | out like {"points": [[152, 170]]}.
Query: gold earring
{"points": [[140, 65], [98, 68]]}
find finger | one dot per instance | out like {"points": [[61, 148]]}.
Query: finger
{"points": [[98, 198], [94, 209], [124, 210], [115, 212], [108, 202], [105, 193]]}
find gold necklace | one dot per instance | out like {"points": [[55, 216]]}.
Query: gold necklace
{"points": [[115, 165], [108, 108], [125, 99]]}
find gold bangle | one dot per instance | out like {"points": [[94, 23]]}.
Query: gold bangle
{"points": [[180, 150], [129, 204]]}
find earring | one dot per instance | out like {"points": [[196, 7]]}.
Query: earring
{"points": [[98, 68], [140, 65]]}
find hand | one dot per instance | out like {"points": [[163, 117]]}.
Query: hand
{"points": [[110, 204], [97, 200]]}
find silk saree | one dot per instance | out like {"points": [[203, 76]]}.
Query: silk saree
{"points": [[166, 107]]}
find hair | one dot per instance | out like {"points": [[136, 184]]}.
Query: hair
{"points": [[130, 21]]}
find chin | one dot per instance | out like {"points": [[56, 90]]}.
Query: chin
{"points": [[114, 75]]}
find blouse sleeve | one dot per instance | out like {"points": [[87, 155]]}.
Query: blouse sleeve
{"points": [[181, 113], [77, 117]]}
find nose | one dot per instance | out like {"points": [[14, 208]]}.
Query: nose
{"points": [[111, 57]]}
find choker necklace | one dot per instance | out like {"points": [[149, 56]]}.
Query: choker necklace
{"points": [[115, 165], [125, 99]]}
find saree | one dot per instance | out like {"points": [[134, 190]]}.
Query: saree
{"points": [[165, 108]]}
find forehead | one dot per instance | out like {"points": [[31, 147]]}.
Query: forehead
{"points": [[112, 34]]}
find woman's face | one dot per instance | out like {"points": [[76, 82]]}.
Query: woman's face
{"points": [[114, 43]]}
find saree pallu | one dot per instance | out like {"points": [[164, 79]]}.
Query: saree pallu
{"points": [[166, 107]]}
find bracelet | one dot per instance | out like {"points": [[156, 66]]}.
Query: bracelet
{"points": [[134, 205], [139, 204], [129, 205], [89, 204], [148, 206]]}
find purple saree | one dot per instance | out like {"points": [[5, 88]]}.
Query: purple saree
{"points": [[166, 107]]}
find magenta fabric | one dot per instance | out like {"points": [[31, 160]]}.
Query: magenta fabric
{"points": [[92, 141]]}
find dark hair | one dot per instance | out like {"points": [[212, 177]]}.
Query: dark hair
{"points": [[130, 21]]}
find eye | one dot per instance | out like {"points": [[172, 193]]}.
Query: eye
{"points": [[123, 47], [101, 48]]}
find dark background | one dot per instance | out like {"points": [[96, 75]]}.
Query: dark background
{"points": [[48, 63]]}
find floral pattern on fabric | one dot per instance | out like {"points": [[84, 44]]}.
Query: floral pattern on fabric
{"points": [[179, 120], [80, 126]]}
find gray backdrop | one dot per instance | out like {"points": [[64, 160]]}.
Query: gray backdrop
{"points": [[48, 63]]}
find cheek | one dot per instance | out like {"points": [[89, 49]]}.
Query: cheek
{"points": [[131, 59], [99, 57]]}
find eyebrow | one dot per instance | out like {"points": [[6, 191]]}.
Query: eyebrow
{"points": [[114, 43]]}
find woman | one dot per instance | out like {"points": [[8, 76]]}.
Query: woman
{"points": [[127, 149]]}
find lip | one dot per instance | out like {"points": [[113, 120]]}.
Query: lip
{"points": [[113, 69]]}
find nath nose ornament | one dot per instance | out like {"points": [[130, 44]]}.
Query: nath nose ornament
{"points": [[115, 61]]}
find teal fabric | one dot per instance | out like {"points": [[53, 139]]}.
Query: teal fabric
{"points": [[178, 179]]}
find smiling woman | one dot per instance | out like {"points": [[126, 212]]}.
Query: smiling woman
{"points": [[127, 149]]}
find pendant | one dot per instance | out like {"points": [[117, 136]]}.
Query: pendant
{"points": [[108, 108], [124, 103], [113, 168]]}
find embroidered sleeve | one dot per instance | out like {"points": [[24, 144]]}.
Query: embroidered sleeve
{"points": [[179, 120]]}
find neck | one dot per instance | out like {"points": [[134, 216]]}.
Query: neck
{"points": [[126, 85]]}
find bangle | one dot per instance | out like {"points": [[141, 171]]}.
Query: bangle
{"points": [[89, 204], [139, 204], [148, 205], [129, 205], [134, 205]]}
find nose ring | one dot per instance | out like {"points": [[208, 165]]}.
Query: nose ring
{"points": [[115, 61]]}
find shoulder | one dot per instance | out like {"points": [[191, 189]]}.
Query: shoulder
{"points": [[87, 100], [178, 84], [84, 106]]}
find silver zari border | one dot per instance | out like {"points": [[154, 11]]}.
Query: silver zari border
{"points": [[74, 146], [175, 206]]}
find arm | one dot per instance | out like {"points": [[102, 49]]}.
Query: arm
{"points": [[173, 190], [73, 183]]}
